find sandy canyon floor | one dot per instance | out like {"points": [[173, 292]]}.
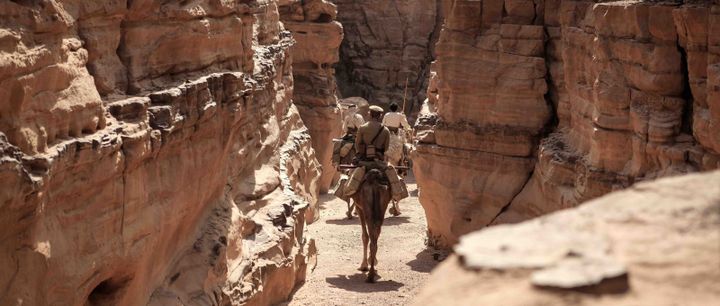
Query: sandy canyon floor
{"points": [[404, 260]]}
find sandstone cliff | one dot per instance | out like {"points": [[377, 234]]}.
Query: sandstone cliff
{"points": [[317, 41], [653, 244], [536, 106], [150, 153], [387, 42]]}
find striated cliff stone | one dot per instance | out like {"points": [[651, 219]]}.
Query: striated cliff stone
{"points": [[150, 153], [636, 78], [696, 25], [488, 88], [387, 42], [572, 99], [653, 244], [317, 41]]}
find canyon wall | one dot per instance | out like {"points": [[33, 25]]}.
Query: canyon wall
{"points": [[150, 153], [536, 106], [655, 243], [317, 41], [387, 42]]}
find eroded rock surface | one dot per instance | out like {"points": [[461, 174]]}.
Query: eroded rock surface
{"points": [[653, 244], [150, 153], [535, 106], [636, 76], [387, 42], [315, 53], [476, 150]]}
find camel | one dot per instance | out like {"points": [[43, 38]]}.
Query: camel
{"points": [[371, 200]]}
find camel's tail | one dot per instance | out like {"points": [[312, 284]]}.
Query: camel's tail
{"points": [[374, 179]]}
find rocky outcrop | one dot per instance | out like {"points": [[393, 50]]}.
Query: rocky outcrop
{"points": [[637, 75], [653, 244], [574, 99], [317, 41], [476, 151], [387, 42], [150, 153]]}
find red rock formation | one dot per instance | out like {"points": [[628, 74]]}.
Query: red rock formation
{"points": [[150, 153], [386, 43], [490, 110], [653, 244], [317, 40], [635, 76], [541, 105]]}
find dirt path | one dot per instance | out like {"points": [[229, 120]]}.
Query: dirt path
{"points": [[404, 261]]}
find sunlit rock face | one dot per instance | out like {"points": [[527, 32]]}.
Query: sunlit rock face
{"points": [[639, 246], [315, 53], [535, 106], [490, 110], [388, 45], [150, 153]]}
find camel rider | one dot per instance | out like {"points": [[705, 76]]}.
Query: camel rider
{"points": [[343, 150], [395, 120], [352, 121], [372, 138], [397, 123], [371, 142]]}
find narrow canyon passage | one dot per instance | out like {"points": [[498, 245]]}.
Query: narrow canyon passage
{"points": [[404, 263], [157, 152]]}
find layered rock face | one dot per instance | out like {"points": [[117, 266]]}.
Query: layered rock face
{"points": [[150, 153], [387, 43], [538, 105], [653, 244], [317, 41], [638, 105], [476, 152]]}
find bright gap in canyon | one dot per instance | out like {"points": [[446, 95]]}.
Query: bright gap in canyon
{"points": [[205, 152]]}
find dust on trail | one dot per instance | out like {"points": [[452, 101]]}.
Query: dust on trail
{"points": [[404, 262]]}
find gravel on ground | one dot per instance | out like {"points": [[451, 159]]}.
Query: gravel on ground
{"points": [[404, 261]]}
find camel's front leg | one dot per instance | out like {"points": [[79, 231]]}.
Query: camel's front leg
{"points": [[365, 238]]}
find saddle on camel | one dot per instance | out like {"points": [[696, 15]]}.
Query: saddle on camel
{"points": [[372, 185]]}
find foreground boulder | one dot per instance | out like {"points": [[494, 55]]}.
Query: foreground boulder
{"points": [[653, 244]]}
